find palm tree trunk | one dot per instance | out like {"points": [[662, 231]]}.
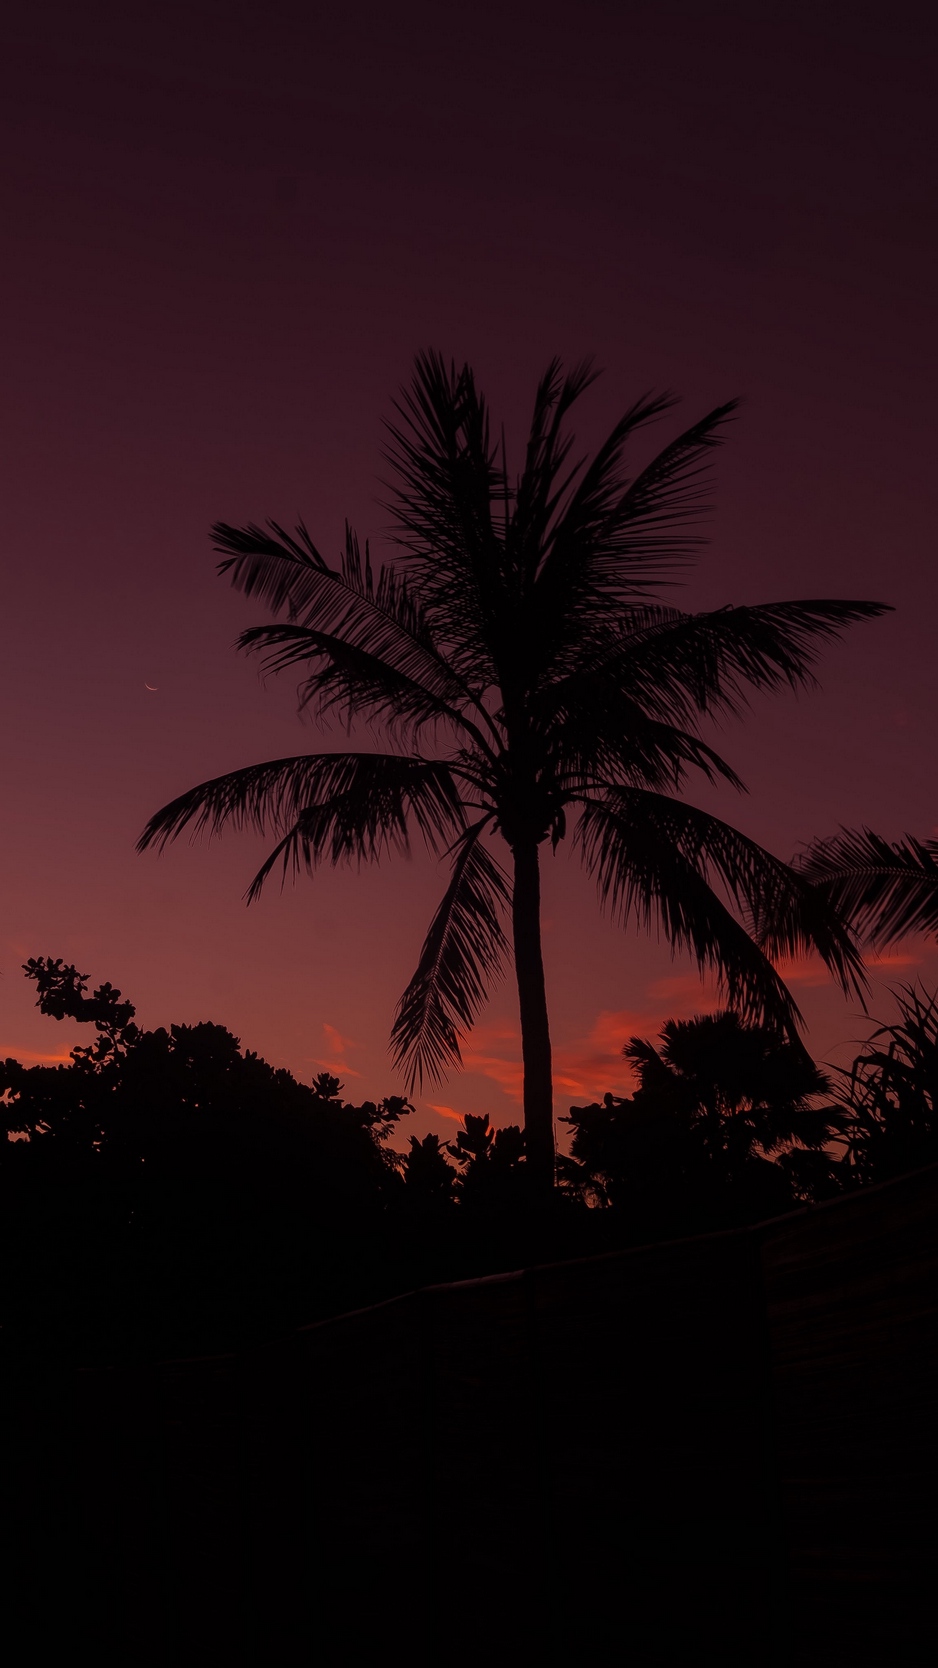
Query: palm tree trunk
{"points": [[535, 1030]]}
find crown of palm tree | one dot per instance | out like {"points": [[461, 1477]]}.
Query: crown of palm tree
{"points": [[525, 676]]}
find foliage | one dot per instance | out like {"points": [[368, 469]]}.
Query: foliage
{"points": [[891, 1098], [185, 1102], [489, 1161], [428, 1175], [167, 1190], [728, 1120]]}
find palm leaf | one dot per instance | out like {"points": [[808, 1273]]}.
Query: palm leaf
{"points": [[654, 855], [644, 878], [381, 620], [787, 915], [706, 662], [679, 665], [614, 537], [463, 951], [543, 482], [887, 888], [446, 481], [353, 682], [340, 806], [597, 730]]}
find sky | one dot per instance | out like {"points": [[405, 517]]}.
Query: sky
{"points": [[228, 229]]}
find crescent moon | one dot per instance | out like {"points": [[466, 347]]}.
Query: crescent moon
{"points": [[152, 687]]}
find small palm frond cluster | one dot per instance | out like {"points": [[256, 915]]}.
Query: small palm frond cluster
{"points": [[515, 657], [887, 888], [891, 1093]]}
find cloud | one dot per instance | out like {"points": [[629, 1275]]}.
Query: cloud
{"points": [[892, 959], [811, 974], [808, 971], [589, 1067], [28, 1056], [446, 1112], [685, 994], [478, 1056], [337, 1048]]}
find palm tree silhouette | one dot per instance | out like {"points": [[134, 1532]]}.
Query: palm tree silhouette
{"points": [[722, 1112], [747, 1090], [522, 672], [887, 888]]}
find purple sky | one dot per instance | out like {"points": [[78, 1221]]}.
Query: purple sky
{"points": [[229, 227]]}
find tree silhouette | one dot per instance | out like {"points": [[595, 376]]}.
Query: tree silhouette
{"points": [[522, 674], [887, 888], [168, 1190], [725, 1116], [186, 1101]]}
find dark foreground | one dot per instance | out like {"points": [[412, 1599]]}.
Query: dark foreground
{"points": [[716, 1450]]}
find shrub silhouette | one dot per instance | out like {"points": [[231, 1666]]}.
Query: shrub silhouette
{"points": [[891, 1095], [428, 1176], [490, 1162]]}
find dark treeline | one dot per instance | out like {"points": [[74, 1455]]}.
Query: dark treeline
{"points": [[167, 1192]]}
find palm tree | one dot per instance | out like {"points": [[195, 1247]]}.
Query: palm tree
{"points": [[748, 1093], [522, 672], [887, 888], [722, 1112]]}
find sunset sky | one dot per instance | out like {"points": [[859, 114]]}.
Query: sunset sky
{"points": [[229, 227]]}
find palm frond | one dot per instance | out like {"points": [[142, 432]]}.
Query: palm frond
{"points": [[381, 619], [681, 663], [614, 537], [788, 917], [597, 730], [352, 682], [340, 806], [647, 851], [610, 533], [670, 492], [887, 888], [644, 878], [446, 482], [463, 952], [544, 483]]}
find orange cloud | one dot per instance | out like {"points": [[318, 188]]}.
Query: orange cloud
{"points": [[892, 959], [591, 1066], [28, 1056], [810, 972], [446, 1112], [337, 1047], [803, 970], [507, 1073], [685, 994], [587, 1067]]}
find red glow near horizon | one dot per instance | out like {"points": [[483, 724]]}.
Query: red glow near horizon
{"points": [[228, 243]]}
